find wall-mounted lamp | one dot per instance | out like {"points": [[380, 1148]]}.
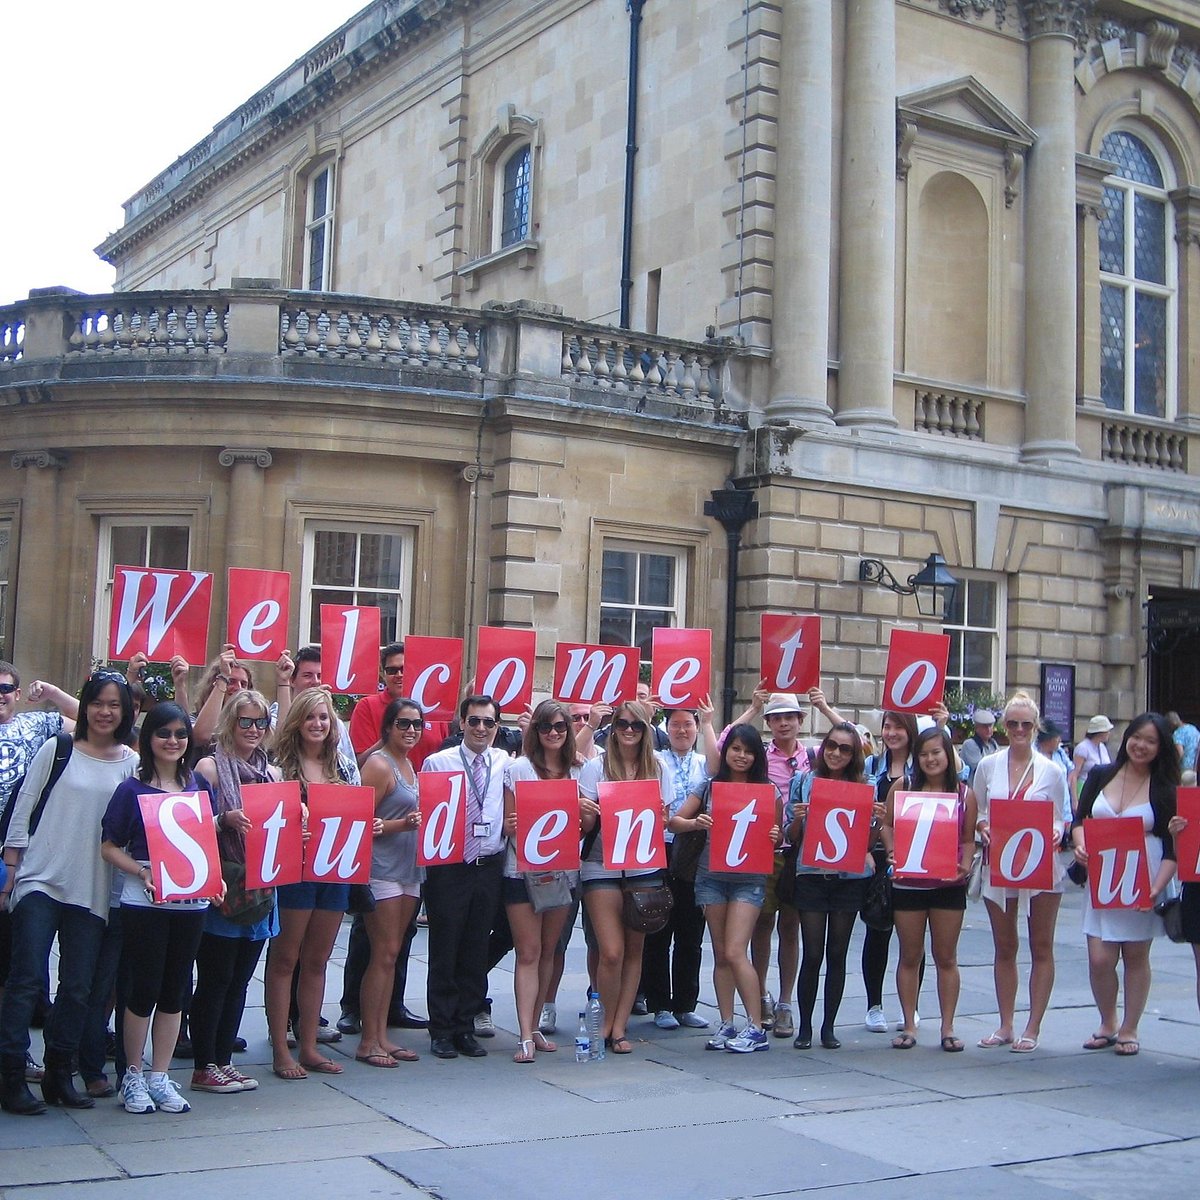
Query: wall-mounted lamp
{"points": [[933, 582]]}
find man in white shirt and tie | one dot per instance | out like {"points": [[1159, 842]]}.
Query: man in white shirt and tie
{"points": [[461, 899]]}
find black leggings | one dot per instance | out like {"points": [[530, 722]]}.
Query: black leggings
{"points": [[825, 936], [158, 949], [224, 967]]}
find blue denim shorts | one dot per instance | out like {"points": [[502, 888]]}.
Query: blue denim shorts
{"points": [[321, 897], [726, 887]]}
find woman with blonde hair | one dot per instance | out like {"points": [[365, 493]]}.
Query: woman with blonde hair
{"points": [[310, 914], [1019, 773]]}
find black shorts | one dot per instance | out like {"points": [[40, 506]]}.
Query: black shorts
{"points": [[828, 893], [1190, 909], [953, 896]]}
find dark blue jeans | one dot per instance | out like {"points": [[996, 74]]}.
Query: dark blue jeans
{"points": [[36, 921], [95, 1029]]}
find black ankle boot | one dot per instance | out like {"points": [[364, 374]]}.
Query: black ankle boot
{"points": [[58, 1084], [15, 1096]]}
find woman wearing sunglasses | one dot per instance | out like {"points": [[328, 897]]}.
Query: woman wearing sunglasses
{"points": [[230, 950], [1019, 773], [628, 755], [159, 938], [538, 903], [828, 901], [395, 877]]}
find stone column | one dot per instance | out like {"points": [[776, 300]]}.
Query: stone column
{"points": [[1089, 212], [803, 181], [1050, 260], [36, 649], [1187, 238], [867, 217], [243, 524]]}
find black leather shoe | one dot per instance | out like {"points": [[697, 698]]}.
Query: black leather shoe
{"points": [[443, 1048], [239, 1044], [465, 1043], [15, 1096], [349, 1022], [406, 1019], [58, 1086]]}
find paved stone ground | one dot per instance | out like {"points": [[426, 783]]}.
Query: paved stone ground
{"points": [[671, 1122]]}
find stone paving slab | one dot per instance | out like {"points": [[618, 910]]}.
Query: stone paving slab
{"points": [[53, 1164], [1168, 1103], [981, 1183], [1145, 1173]]}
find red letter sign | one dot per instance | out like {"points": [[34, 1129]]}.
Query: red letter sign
{"points": [[1187, 841], [926, 836], [838, 829], [340, 823], [1021, 854], [159, 613], [182, 839], [586, 674], [443, 834], [350, 646], [547, 825], [257, 618], [681, 666], [1118, 875], [433, 675], [916, 671], [742, 815], [504, 667], [275, 839], [790, 652], [631, 825]]}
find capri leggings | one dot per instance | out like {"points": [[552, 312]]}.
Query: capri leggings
{"points": [[158, 950]]}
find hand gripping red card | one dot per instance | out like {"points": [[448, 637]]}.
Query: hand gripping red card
{"points": [[275, 839], [182, 839], [790, 652], [681, 666], [838, 829], [916, 671], [341, 819], [1023, 844], [256, 621], [740, 840], [1118, 874], [631, 825], [159, 613], [926, 836], [547, 825]]}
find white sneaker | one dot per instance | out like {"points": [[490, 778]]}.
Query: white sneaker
{"points": [[750, 1039], [665, 1020], [692, 1020], [548, 1021], [876, 1022], [134, 1094], [726, 1033], [485, 1027], [165, 1094]]}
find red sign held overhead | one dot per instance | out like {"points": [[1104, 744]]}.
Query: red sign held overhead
{"points": [[275, 839], [442, 801], [838, 830], [1023, 844], [1118, 874], [631, 825], [926, 836], [790, 649], [350, 637], [340, 823], [585, 674], [504, 667], [159, 613], [916, 671], [181, 837], [1187, 840], [742, 815], [681, 666], [547, 825], [257, 619], [433, 675]]}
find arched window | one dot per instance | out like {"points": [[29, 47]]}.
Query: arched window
{"points": [[1137, 282], [514, 197], [318, 230]]}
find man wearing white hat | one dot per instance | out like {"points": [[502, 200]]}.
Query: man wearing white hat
{"points": [[981, 743]]}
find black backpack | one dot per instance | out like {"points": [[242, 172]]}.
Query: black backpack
{"points": [[63, 745]]}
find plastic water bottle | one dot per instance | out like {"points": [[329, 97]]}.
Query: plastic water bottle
{"points": [[595, 1026], [583, 1041]]}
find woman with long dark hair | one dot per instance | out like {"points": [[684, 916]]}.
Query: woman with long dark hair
{"points": [[159, 937], [1140, 782], [828, 901], [731, 900], [936, 904]]}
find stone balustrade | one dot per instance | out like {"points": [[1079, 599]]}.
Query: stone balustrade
{"points": [[1136, 445], [950, 414], [151, 323], [623, 362]]}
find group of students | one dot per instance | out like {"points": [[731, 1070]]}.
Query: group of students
{"points": [[77, 867]]}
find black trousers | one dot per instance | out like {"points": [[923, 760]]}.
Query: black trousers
{"points": [[358, 955], [462, 900], [672, 981]]}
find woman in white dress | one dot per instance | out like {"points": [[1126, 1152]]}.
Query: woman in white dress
{"points": [[1018, 773], [1140, 782]]}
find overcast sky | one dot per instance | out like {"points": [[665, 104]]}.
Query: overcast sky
{"points": [[97, 99]]}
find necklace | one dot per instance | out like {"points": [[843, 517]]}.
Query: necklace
{"points": [[1140, 786]]}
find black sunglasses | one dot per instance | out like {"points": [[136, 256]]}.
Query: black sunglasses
{"points": [[623, 723], [177, 732], [7, 689], [405, 723], [254, 722], [552, 727], [486, 722]]}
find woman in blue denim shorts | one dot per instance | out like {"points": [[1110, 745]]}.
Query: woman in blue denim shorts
{"points": [[731, 900]]}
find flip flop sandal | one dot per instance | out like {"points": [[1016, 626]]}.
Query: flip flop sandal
{"points": [[621, 1045], [994, 1039], [1024, 1045], [1100, 1041], [1127, 1048], [323, 1066], [542, 1043], [904, 1041], [376, 1060], [951, 1044], [525, 1052], [404, 1054], [291, 1073]]}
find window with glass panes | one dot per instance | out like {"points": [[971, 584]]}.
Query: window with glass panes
{"points": [[318, 231], [1137, 282], [641, 589], [136, 542], [972, 622], [514, 198], [358, 565]]}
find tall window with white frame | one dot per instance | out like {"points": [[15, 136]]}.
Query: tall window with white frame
{"points": [[5, 552], [318, 231], [642, 587], [973, 623], [135, 542], [359, 565], [514, 181], [1137, 281]]}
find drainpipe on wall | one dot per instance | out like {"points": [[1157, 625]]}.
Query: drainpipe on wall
{"points": [[635, 23]]}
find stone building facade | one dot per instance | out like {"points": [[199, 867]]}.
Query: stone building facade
{"points": [[924, 275]]}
